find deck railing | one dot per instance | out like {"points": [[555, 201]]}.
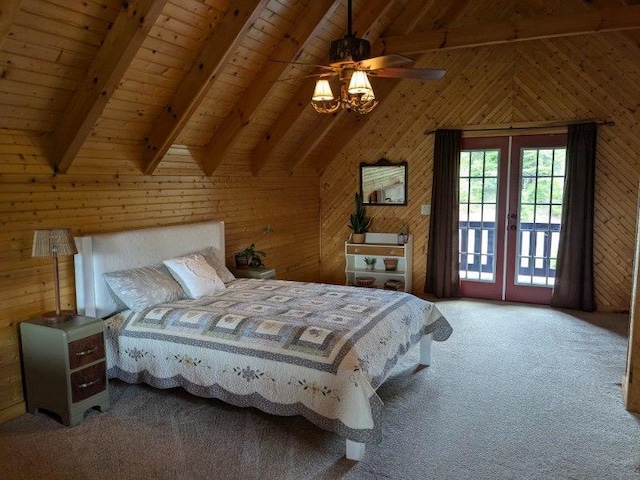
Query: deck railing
{"points": [[537, 245]]}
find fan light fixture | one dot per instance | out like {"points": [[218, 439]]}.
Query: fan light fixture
{"points": [[358, 96]]}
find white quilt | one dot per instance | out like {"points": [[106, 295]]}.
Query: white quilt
{"points": [[287, 348]]}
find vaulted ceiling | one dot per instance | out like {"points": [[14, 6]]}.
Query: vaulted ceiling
{"points": [[227, 79]]}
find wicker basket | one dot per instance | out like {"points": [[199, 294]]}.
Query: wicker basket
{"points": [[365, 281]]}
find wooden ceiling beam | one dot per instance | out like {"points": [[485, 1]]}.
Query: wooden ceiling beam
{"points": [[363, 22], [123, 41], [288, 50], [220, 46], [595, 21], [8, 12], [633, 35], [455, 9]]}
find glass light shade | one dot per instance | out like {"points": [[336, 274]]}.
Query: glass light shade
{"points": [[359, 83], [322, 92], [368, 97]]}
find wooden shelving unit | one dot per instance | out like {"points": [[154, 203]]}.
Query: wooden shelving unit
{"points": [[379, 246]]}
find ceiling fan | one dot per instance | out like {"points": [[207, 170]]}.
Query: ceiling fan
{"points": [[350, 61]]}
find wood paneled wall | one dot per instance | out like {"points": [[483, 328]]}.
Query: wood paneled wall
{"points": [[586, 77], [520, 84], [105, 192]]}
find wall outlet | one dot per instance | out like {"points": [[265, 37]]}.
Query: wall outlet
{"points": [[425, 209]]}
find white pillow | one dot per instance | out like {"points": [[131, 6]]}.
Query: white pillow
{"points": [[221, 269], [144, 287], [195, 275]]}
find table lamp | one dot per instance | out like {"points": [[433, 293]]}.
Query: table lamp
{"points": [[54, 242]]}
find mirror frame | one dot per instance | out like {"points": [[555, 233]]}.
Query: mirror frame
{"points": [[384, 163]]}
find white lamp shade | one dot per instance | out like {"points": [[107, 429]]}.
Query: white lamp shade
{"points": [[368, 97], [359, 83], [322, 92], [55, 241]]}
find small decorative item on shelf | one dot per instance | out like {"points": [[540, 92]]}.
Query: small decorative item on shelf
{"points": [[390, 263], [403, 236], [392, 284], [358, 221], [250, 257], [365, 281], [371, 262]]}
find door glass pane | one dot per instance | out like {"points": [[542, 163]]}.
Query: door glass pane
{"points": [[540, 210], [478, 214]]}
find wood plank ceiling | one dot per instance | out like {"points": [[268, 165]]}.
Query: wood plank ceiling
{"points": [[214, 76]]}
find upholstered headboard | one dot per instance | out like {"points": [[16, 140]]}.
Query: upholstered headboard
{"points": [[109, 252]]}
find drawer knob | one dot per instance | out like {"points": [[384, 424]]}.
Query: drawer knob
{"points": [[88, 351], [89, 384]]}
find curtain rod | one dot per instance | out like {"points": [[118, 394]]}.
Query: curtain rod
{"points": [[606, 123]]}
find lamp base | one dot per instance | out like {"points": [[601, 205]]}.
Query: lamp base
{"points": [[55, 317]]}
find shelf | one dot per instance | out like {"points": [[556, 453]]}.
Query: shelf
{"points": [[375, 250], [379, 246], [377, 271]]}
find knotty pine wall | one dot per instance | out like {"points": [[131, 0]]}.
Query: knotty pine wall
{"points": [[527, 83], [584, 77], [105, 192]]}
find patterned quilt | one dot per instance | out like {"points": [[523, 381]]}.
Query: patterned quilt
{"points": [[287, 348]]}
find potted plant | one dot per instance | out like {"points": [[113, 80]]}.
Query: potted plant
{"points": [[249, 257], [371, 262], [390, 263], [359, 221]]}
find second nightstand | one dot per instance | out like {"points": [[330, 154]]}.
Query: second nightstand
{"points": [[65, 367], [262, 272]]}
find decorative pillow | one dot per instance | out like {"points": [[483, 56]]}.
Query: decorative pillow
{"points": [[196, 276], [140, 288], [221, 269]]}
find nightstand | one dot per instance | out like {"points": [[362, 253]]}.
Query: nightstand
{"points": [[65, 367], [262, 272]]}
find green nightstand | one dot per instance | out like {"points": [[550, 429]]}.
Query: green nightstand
{"points": [[65, 367], [262, 272]]}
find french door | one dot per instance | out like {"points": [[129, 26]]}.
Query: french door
{"points": [[511, 191]]}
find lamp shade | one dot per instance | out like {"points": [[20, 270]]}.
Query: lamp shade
{"points": [[322, 92], [53, 242], [360, 83]]}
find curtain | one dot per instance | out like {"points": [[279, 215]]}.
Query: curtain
{"points": [[442, 278], [574, 269]]}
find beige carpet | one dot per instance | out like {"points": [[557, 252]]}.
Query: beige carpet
{"points": [[517, 392]]}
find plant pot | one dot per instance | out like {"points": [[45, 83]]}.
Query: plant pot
{"points": [[370, 267], [390, 263], [358, 237], [241, 261]]}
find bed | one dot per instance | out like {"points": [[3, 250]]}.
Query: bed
{"points": [[286, 348]]}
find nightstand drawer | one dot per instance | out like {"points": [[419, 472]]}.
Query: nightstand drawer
{"points": [[86, 350], [88, 382]]}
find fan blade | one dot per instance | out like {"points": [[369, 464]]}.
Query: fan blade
{"points": [[300, 77], [417, 73], [393, 60], [326, 67]]}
